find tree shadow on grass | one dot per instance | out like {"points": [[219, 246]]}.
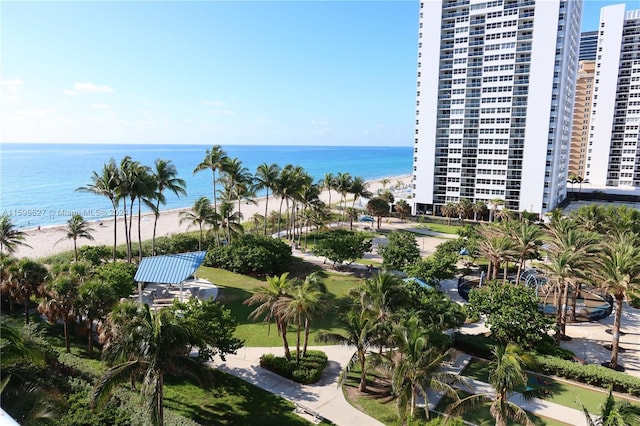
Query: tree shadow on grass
{"points": [[229, 401]]}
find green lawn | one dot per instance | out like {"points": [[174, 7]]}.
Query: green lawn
{"points": [[230, 401], [439, 227], [481, 416], [558, 392], [237, 288]]}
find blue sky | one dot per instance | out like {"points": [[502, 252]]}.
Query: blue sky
{"points": [[206, 72]]}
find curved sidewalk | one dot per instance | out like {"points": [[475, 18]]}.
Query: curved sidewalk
{"points": [[325, 397]]}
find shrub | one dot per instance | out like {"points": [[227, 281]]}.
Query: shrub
{"points": [[476, 345], [591, 374], [95, 254], [179, 243], [308, 371], [251, 254]]}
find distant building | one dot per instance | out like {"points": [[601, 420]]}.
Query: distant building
{"points": [[581, 118], [494, 102], [588, 46], [613, 157]]}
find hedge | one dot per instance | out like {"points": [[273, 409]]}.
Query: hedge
{"points": [[591, 374], [307, 372], [554, 364]]}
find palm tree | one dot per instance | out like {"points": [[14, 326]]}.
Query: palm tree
{"points": [[155, 343], [265, 178], [528, 241], [77, 227], [418, 366], [507, 373], [238, 182], [403, 208], [10, 236], [27, 277], [343, 185], [379, 296], [214, 160], [123, 192], [384, 183], [59, 302], [464, 208], [359, 189], [479, 209], [448, 210], [378, 207], [201, 214], [614, 413], [95, 300], [618, 272], [358, 326], [572, 179], [106, 184], [495, 203], [165, 175], [328, 183], [272, 301], [307, 300]]}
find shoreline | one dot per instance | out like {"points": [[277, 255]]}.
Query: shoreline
{"points": [[49, 240]]}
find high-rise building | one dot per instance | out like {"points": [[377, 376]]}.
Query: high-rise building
{"points": [[582, 118], [494, 102], [588, 45], [613, 158]]}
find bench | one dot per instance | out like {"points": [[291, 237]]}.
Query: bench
{"points": [[301, 409]]}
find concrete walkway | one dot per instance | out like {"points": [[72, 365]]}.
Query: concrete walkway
{"points": [[324, 398]]}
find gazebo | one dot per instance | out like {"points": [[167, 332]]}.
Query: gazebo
{"points": [[171, 269]]}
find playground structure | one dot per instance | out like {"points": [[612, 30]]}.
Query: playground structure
{"points": [[588, 303]]}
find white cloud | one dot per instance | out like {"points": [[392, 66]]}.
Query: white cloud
{"points": [[9, 88], [79, 88]]}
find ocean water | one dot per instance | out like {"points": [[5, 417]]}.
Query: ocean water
{"points": [[38, 181]]}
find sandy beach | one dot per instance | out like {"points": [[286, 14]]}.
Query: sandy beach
{"points": [[50, 240]]}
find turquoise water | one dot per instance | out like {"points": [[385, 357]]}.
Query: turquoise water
{"points": [[38, 181]]}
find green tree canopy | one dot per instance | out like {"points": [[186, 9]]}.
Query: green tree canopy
{"points": [[339, 248], [401, 250]]}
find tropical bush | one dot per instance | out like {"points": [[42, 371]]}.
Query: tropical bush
{"points": [[306, 372], [591, 374], [251, 254], [179, 243]]}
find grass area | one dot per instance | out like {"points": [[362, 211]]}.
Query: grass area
{"points": [[230, 401], [439, 227], [559, 392], [237, 288], [481, 416], [377, 403]]}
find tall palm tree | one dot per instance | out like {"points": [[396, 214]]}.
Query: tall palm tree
{"points": [[528, 240], [214, 160], [10, 236], [76, 228], [494, 204], [145, 188], [59, 302], [614, 413], [479, 209], [328, 183], [358, 326], [507, 373], [306, 301], [359, 188], [572, 179], [464, 208], [416, 367], [343, 184], [155, 343], [272, 302], [106, 184], [123, 192], [27, 277], [618, 272], [165, 175], [265, 178], [202, 215], [448, 210], [95, 300]]}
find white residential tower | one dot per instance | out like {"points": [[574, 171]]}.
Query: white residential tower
{"points": [[494, 102]]}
